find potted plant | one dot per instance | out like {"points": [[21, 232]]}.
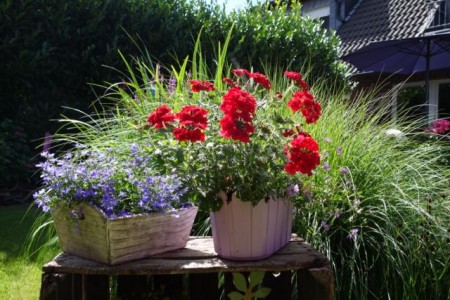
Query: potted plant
{"points": [[242, 149], [108, 205]]}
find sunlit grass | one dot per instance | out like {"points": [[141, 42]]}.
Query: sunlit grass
{"points": [[20, 276]]}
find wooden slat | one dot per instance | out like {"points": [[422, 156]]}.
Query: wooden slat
{"points": [[56, 286], [204, 286], [168, 287], [95, 287], [295, 255], [315, 283], [280, 285], [131, 287]]}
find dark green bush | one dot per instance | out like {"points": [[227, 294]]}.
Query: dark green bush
{"points": [[52, 49], [15, 158], [282, 37]]}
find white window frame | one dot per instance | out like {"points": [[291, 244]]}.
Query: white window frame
{"points": [[433, 105], [318, 12]]}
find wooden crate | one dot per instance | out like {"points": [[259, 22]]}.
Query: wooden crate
{"points": [[113, 241], [297, 271]]}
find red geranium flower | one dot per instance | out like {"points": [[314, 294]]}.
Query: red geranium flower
{"points": [[188, 135], [297, 77], [201, 85], [239, 104], [305, 102], [161, 117], [303, 155], [229, 81], [193, 122], [193, 116], [293, 75], [241, 72], [235, 129], [261, 79], [288, 132], [312, 112]]}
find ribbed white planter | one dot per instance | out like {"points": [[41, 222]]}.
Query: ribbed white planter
{"points": [[244, 232]]}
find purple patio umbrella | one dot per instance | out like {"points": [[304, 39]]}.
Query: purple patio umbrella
{"points": [[407, 56]]}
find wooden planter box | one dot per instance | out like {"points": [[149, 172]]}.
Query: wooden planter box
{"points": [[113, 241]]}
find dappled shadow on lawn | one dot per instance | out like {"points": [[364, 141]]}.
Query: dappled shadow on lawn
{"points": [[15, 224]]}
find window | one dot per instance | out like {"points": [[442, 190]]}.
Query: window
{"points": [[444, 101], [410, 101], [442, 16]]}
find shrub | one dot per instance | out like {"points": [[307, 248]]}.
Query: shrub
{"points": [[15, 158], [282, 37]]}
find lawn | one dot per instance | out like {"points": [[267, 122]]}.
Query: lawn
{"points": [[20, 276]]}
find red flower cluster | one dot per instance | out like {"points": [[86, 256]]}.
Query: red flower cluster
{"points": [[303, 101], [261, 79], [192, 122], [201, 85], [239, 108], [241, 72], [303, 154], [297, 77], [257, 77], [161, 117]]}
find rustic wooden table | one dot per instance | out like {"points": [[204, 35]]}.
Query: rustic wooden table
{"points": [[195, 272]]}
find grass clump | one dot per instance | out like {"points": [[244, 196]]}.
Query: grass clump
{"points": [[20, 274], [380, 205]]}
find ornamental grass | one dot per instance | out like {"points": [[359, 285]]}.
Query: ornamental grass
{"points": [[378, 206]]}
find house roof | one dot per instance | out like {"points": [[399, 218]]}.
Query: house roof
{"points": [[379, 20]]}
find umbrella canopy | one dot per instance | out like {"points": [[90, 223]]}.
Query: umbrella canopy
{"points": [[407, 56]]}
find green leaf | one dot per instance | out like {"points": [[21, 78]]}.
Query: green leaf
{"points": [[239, 282], [236, 296], [262, 293], [256, 278]]}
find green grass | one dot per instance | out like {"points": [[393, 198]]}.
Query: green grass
{"points": [[20, 275]]}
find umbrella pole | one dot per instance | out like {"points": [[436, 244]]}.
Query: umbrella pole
{"points": [[427, 79]]}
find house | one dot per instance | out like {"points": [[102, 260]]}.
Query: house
{"points": [[360, 22]]}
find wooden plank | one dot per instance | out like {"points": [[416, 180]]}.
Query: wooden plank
{"points": [[130, 287], [204, 286], [315, 284], [295, 255], [56, 286], [95, 287], [76, 286], [280, 285], [168, 287], [228, 285]]}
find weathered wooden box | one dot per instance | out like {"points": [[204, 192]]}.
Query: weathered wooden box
{"points": [[90, 234]]}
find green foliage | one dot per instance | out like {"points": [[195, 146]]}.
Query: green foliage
{"points": [[20, 273], [249, 288], [51, 50], [15, 158], [379, 205], [282, 37]]}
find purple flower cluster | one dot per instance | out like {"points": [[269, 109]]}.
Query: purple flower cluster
{"points": [[120, 183]]}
